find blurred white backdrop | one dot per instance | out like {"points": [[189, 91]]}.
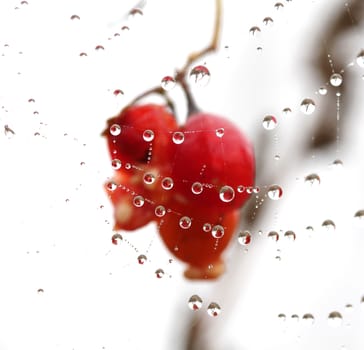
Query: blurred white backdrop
{"points": [[65, 286]]}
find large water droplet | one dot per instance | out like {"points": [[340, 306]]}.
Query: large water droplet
{"points": [[227, 194], [269, 122], [360, 59], [116, 164], [244, 237], [115, 129], [217, 231], [185, 222], [197, 188], [149, 178], [138, 201], [200, 76], [307, 106], [214, 309], [206, 227], [178, 137], [313, 179], [336, 79], [268, 21], [335, 319], [167, 183], [195, 302], [275, 192], [160, 211], [168, 83], [148, 135]]}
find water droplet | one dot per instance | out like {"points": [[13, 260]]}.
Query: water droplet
{"points": [[226, 194], [178, 137], [111, 186], [31, 100], [127, 166], [307, 106], [135, 12], [125, 28], [278, 5], [290, 235], [277, 157], [75, 17], [336, 79], [335, 319], [200, 76], [214, 309], [116, 164], [268, 21], [206, 227], [159, 273], [167, 183], [99, 48], [116, 238], [259, 49], [148, 135], [329, 225], [197, 188], [322, 90], [337, 163], [185, 222], [254, 30], [168, 83], [360, 59], [160, 211], [138, 201], [359, 216], [349, 307], [273, 236], [269, 122], [295, 318], [282, 317], [287, 111], [313, 179], [244, 237], [40, 291], [195, 302], [115, 129], [240, 189], [83, 54], [142, 259], [118, 93], [308, 319], [148, 178], [275, 192], [217, 231], [220, 132]]}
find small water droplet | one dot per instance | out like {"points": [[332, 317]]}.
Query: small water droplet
{"points": [[138, 201], [308, 319], [259, 49], [200, 76], [214, 309], [118, 93], [148, 135], [273, 236], [287, 111], [142, 259], [323, 90], [99, 48], [197, 188], [217, 231], [111, 186], [185, 222], [295, 318], [336, 79], [135, 12], [207, 227], [220, 132], [278, 5], [115, 129], [167, 183], [308, 106], [195, 302], [337, 163], [268, 21], [255, 30], [149, 178], [269, 122], [290, 235], [277, 157], [309, 229], [360, 59], [227, 194], [31, 100], [83, 54], [275, 192], [282, 317], [312, 179], [116, 238], [329, 225], [240, 189], [159, 273], [244, 237], [40, 291], [127, 166], [178, 137], [335, 319], [116, 164], [359, 215], [168, 83], [160, 211], [124, 28], [75, 17], [349, 307]]}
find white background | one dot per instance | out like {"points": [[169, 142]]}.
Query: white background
{"points": [[56, 220]]}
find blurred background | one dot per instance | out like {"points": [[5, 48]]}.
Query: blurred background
{"points": [[64, 285]]}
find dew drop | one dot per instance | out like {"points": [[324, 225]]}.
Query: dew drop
{"points": [[275, 192], [278, 5], [185, 222], [83, 54], [116, 238], [167, 183], [309, 229], [329, 225], [287, 111], [336, 79], [308, 319], [40, 291], [295, 318], [277, 157], [254, 30], [111, 186], [335, 319], [226, 194], [118, 93], [168, 83], [115, 129], [337, 163], [148, 178], [269, 122], [116, 164], [195, 302], [148, 135], [308, 106], [31, 100], [138, 201], [360, 59], [282, 317], [142, 259], [359, 215], [214, 309], [273, 236], [197, 188], [220, 132], [75, 17], [178, 137], [127, 166], [217, 231], [206, 227], [268, 21], [135, 12], [200, 76], [99, 48], [312, 179], [290, 236], [240, 189], [323, 90], [160, 211], [159, 273], [244, 237]]}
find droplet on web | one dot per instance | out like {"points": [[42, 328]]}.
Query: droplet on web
{"points": [[349, 307], [138, 201], [275, 192], [116, 238], [206, 227], [273, 236], [99, 48], [127, 166], [200, 76], [197, 188], [220, 132], [160, 211], [308, 106], [312, 179], [254, 31], [335, 319], [269, 122], [308, 319], [118, 93], [217, 231], [148, 135], [135, 13], [40, 291], [142, 259], [240, 189], [227, 194], [168, 83], [115, 129], [159, 273], [167, 183], [359, 216], [323, 90], [337, 164], [178, 137], [290, 236], [75, 17], [195, 302], [268, 21], [149, 178], [214, 309], [281, 317], [336, 79], [111, 186], [278, 6], [244, 237], [31, 100], [295, 318], [185, 222], [116, 164], [360, 59], [287, 111], [83, 54], [329, 225]]}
